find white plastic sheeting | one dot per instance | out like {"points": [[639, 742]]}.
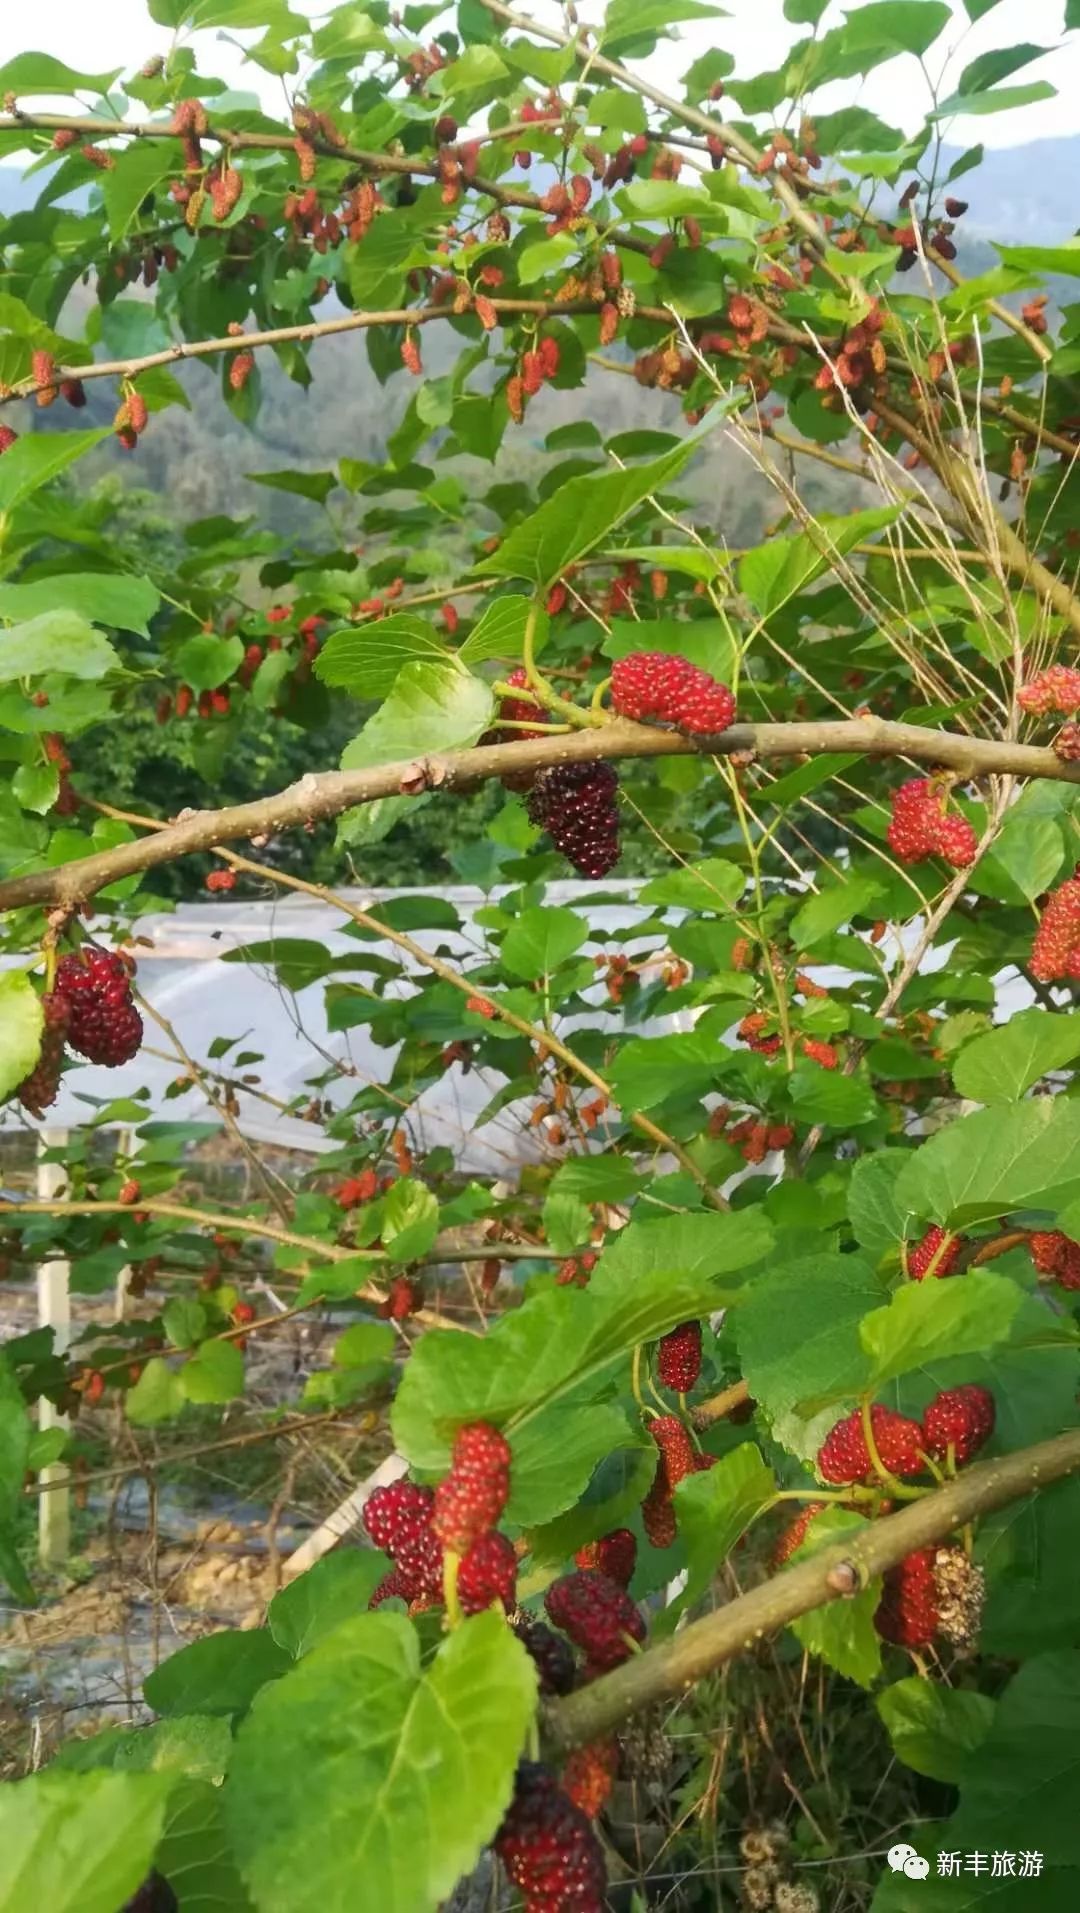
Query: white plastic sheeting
{"points": [[181, 972]]}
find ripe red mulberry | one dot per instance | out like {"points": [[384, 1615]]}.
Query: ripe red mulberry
{"points": [[961, 1419], [597, 1615], [615, 1555], [488, 1573], [104, 1025], [575, 804], [472, 1496], [548, 1847], [39, 1090], [907, 1614], [656, 684], [844, 1457], [678, 1357], [1055, 951], [937, 1254]]}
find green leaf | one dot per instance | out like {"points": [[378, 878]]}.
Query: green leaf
{"points": [[500, 631], [432, 707], [1061, 259], [1003, 99], [996, 65], [196, 1744], [686, 1245], [907, 26], [35, 787], [1023, 1157], [313, 485], [410, 1219], [78, 1842], [21, 1023], [713, 886], [40, 73], [649, 1069], [819, 1095], [366, 662], [195, 1855], [778, 569], [999, 1066], [934, 1728], [205, 661], [33, 460], [713, 1509], [842, 1632], [556, 1455], [826, 911], [158, 1395], [663, 199], [409, 1786], [54, 641], [1017, 1792], [1028, 1551], [598, 1178], [336, 1589], [215, 1373], [877, 1222], [797, 1330], [137, 170], [184, 1320], [927, 1321], [1027, 856], [535, 1357], [585, 510], [101, 597], [539, 940], [219, 1674]]}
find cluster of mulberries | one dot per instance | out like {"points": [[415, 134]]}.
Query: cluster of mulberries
{"points": [[921, 826], [1055, 689], [414, 1525], [90, 1010], [956, 1423], [933, 1592]]}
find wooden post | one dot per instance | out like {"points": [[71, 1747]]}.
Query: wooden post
{"points": [[54, 1311], [343, 1519]]}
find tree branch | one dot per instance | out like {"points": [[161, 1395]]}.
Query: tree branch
{"points": [[327, 793], [674, 1665], [313, 329]]}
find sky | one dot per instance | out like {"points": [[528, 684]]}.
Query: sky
{"points": [[97, 35]]}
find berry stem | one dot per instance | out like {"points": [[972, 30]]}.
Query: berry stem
{"points": [[539, 685], [635, 1378], [451, 1569]]}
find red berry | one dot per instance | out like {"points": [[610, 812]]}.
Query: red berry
{"points": [[796, 1532], [588, 1775], [1055, 689], [907, 1614], [488, 1573], [549, 356], [7, 438], [549, 1849], [470, 1499], [129, 1191], [1057, 1256], [38, 1091], [551, 1654], [819, 1052], [678, 1357], [920, 827], [961, 1419], [393, 1513], [844, 1458], [395, 1585], [520, 710], [1055, 951], [575, 804], [95, 1387], [597, 1614], [937, 1254], [103, 1025], [615, 1555], [240, 369], [221, 880], [42, 371], [659, 685], [1066, 744], [243, 1312], [398, 1519]]}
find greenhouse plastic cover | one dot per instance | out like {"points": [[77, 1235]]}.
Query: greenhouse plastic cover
{"points": [[181, 972]]}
